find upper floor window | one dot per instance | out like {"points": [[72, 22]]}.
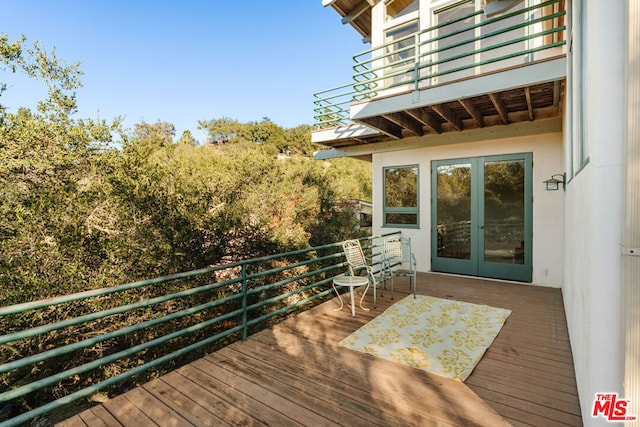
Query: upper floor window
{"points": [[401, 208], [398, 8], [400, 50], [455, 35]]}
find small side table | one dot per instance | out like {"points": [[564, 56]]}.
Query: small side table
{"points": [[351, 282]]}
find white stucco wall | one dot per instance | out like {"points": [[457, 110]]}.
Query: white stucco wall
{"points": [[594, 200], [548, 206]]}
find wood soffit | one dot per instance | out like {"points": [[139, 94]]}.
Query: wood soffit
{"points": [[529, 103]]}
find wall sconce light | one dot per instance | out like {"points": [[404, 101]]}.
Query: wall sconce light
{"points": [[553, 183]]}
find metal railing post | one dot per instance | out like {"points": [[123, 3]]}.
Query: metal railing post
{"points": [[244, 302]]}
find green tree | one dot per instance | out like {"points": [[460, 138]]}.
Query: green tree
{"points": [[47, 175], [9, 56], [60, 78], [187, 138], [223, 130], [298, 140], [266, 132]]}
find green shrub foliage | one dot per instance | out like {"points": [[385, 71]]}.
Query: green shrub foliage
{"points": [[86, 204]]}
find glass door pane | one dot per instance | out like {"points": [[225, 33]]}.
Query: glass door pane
{"points": [[454, 211], [504, 211]]}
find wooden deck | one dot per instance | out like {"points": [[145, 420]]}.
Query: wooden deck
{"points": [[295, 374]]}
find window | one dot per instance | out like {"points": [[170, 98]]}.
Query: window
{"points": [[454, 34], [400, 50], [576, 78], [401, 208]]}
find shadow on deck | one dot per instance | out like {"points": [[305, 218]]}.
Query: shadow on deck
{"points": [[295, 374]]}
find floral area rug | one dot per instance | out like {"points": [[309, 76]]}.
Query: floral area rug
{"points": [[437, 335]]}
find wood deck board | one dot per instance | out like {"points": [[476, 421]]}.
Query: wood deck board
{"points": [[377, 379], [346, 388], [296, 374], [323, 400], [156, 409], [542, 396], [190, 400], [76, 421], [127, 413], [524, 410], [99, 416], [249, 397], [495, 376], [303, 407]]}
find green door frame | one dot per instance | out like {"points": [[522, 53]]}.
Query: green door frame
{"points": [[476, 264]]}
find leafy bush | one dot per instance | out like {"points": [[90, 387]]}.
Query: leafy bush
{"points": [[84, 204]]}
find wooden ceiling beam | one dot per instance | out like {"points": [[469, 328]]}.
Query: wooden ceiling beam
{"points": [[556, 93], [499, 105], [406, 122], [527, 95], [384, 125], [560, 95], [357, 11], [473, 111], [424, 117], [448, 115]]}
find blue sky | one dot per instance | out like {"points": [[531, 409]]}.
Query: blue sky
{"points": [[186, 61]]}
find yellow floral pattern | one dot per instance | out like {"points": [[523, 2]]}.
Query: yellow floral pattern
{"points": [[437, 335], [413, 357]]}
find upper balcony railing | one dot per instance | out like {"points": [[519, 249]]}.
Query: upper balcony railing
{"points": [[457, 49], [61, 350]]}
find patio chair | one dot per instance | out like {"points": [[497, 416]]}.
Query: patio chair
{"points": [[358, 263], [398, 260]]}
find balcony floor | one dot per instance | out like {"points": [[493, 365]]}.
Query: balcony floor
{"points": [[296, 374]]}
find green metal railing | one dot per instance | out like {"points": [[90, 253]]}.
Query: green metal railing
{"points": [[444, 52], [196, 310]]}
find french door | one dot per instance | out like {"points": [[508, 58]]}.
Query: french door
{"points": [[482, 216]]}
